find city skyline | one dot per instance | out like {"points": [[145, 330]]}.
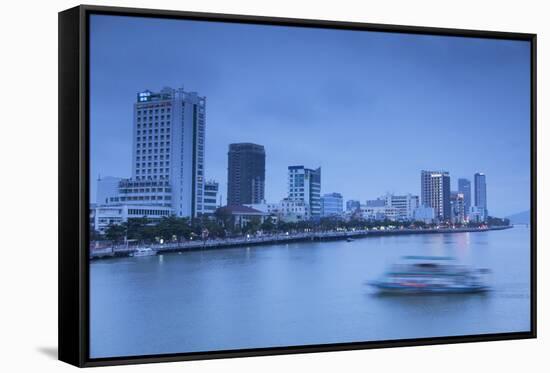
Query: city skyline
{"points": [[290, 125]]}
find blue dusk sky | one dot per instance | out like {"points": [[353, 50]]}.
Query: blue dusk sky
{"points": [[371, 109]]}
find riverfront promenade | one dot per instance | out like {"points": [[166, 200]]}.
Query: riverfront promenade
{"points": [[123, 250]]}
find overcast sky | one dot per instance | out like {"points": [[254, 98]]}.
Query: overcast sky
{"points": [[371, 109]]}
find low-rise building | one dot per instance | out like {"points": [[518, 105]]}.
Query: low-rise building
{"points": [[241, 216], [270, 208], [105, 215], [391, 206], [293, 210], [379, 202], [379, 213], [477, 214], [405, 204]]}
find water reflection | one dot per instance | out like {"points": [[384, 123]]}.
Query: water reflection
{"points": [[299, 293]]}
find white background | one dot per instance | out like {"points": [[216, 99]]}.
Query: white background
{"points": [[28, 169]]}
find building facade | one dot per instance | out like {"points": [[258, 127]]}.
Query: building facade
{"points": [[245, 174], [435, 189], [304, 185], [480, 188], [332, 204]]}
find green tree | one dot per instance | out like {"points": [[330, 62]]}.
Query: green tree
{"points": [[171, 226], [137, 228], [419, 224], [116, 232], [268, 225], [224, 217], [253, 225], [215, 229], [493, 221]]}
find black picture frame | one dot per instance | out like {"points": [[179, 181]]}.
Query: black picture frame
{"points": [[74, 184]]}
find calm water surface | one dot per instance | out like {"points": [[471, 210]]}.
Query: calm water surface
{"points": [[299, 293]]}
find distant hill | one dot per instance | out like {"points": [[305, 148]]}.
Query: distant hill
{"points": [[523, 217]]}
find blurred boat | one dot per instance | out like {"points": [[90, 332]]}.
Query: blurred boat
{"points": [[431, 275], [143, 251]]}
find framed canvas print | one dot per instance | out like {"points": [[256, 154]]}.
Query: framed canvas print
{"points": [[240, 186]]}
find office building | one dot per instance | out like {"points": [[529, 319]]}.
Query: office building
{"points": [[480, 195], [405, 204], [294, 210], [168, 151], [245, 174], [435, 189], [304, 185], [332, 204]]}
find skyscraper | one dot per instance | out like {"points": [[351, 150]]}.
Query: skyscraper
{"points": [[435, 189], [245, 174], [304, 184], [168, 151], [480, 188], [465, 187]]}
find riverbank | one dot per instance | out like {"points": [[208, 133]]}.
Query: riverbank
{"points": [[122, 251]]}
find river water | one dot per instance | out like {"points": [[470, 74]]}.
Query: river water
{"points": [[298, 294]]}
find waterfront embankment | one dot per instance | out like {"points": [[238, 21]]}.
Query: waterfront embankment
{"points": [[268, 239]]}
